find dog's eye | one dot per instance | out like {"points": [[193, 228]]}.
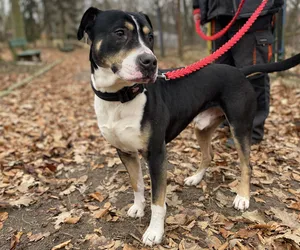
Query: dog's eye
{"points": [[120, 33], [150, 38]]}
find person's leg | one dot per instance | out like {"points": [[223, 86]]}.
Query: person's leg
{"points": [[218, 24], [262, 88], [256, 48]]}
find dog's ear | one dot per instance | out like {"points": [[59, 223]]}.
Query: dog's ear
{"points": [[147, 18], [87, 22]]}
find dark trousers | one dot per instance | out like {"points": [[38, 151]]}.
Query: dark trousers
{"points": [[255, 47]]}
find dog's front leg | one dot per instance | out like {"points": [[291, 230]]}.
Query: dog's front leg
{"points": [[133, 166], [158, 174]]}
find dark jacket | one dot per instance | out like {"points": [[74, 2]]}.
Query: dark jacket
{"points": [[213, 8]]}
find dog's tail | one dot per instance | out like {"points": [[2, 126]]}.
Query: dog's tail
{"points": [[271, 67]]}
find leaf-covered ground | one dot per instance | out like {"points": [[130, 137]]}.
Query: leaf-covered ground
{"points": [[63, 187]]}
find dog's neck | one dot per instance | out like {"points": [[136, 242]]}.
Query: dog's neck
{"points": [[104, 80]]}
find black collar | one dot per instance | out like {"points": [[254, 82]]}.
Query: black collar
{"points": [[125, 94]]}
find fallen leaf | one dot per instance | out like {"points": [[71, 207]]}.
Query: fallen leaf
{"points": [[128, 247], [113, 161], [78, 159], [23, 201], [244, 233], [69, 190], [224, 200], [254, 216], [81, 180], [178, 219], [259, 200], [288, 219], [174, 201], [92, 207], [27, 181], [37, 237], [72, 220], [294, 205], [224, 246], [296, 177], [3, 217], [61, 218], [101, 212], [15, 240], [184, 245], [213, 242], [189, 226], [98, 196], [291, 236], [225, 233], [203, 225], [61, 245], [241, 246]]}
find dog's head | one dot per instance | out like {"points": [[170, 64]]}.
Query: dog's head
{"points": [[121, 42]]}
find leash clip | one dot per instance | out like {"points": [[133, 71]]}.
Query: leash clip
{"points": [[163, 76]]}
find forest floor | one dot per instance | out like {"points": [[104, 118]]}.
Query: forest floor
{"points": [[62, 185]]}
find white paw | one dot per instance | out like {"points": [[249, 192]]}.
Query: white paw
{"points": [[194, 179], [153, 236], [240, 203], [136, 211]]}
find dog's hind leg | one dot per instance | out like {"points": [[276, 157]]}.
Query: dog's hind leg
{"points": [[204, 136], [158, 173], [133, 166], [242, 140]]}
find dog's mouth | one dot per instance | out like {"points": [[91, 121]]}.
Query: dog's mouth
{"points": [[149, 78], [133, 75], [145, 80]]}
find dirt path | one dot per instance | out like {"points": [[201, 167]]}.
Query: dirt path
{"points": [[61, 183]]}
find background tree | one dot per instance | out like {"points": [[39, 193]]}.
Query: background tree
{"points": [[2, 20], [179, 28], [292, 30], [17, 19], [31, 16]]}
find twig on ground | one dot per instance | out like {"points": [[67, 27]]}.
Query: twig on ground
{"points": [[29, 79]]}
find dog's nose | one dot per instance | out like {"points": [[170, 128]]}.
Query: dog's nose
{"points": [[147, 61]]}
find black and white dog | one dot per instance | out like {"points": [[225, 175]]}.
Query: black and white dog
{"points": [[138, 113]]}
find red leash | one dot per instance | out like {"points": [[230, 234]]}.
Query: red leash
{"points": [[221, 32], [222, 50]]}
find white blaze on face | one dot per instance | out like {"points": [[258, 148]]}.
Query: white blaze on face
{"points": [[130, 69], [144, 48]]}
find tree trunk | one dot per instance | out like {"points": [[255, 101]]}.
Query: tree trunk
{"points": [[18, 23], [179, 30], [159, 22], [2, 20]]}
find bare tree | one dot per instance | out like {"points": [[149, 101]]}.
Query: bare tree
{"points": [[293, 23], [179, 29], [18, 24], [2, 20], [30, 16], [62, 17]]}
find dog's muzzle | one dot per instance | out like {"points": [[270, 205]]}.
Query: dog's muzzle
{"points": [[147, 64]]}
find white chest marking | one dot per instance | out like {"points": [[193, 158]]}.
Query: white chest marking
{"points": [[120, 123]]}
